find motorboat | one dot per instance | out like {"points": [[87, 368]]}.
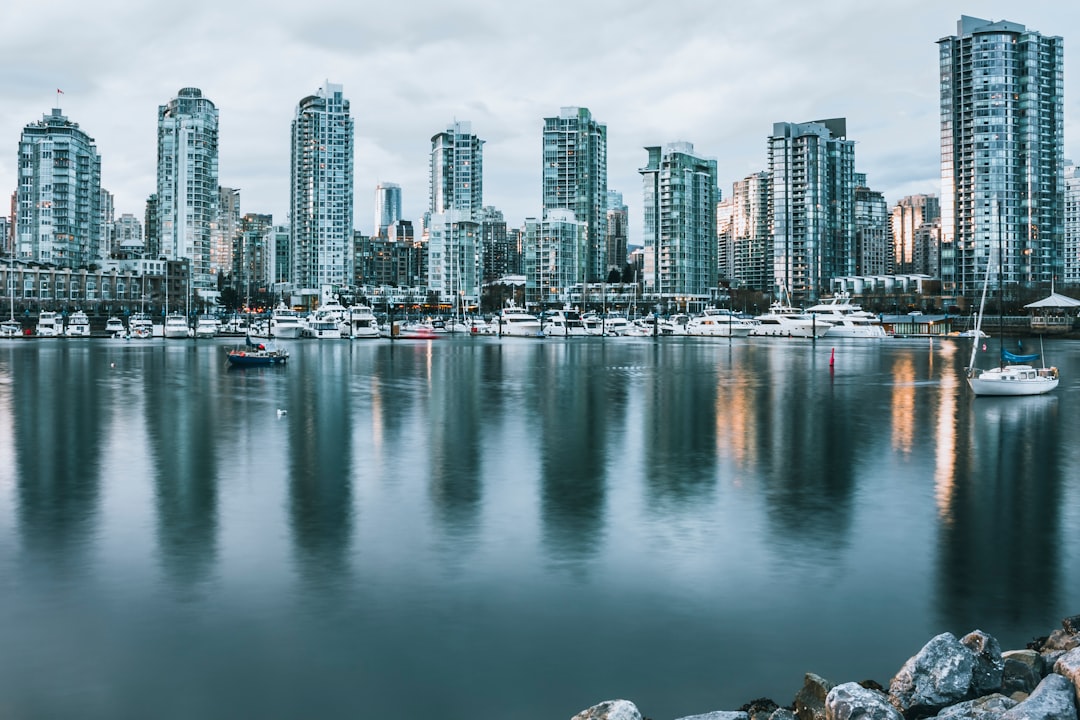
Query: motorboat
{"points": [[114, 327], [363, 324], [206, 326], [848, 320], [322, 326], [46, 324], [423, 330], [786, 321], [332, 310], [285, 323], [513, 321], [176, 326], [10, 328], [719, 323], [78, 325], [564, 323], [140, 327]]}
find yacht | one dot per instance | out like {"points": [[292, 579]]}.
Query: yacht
{"points": [[140, 327], [285, 323], [848, 320], [322, 325], [719, 323], [176, 326], [513, 321], [46, 324], [785, 321], [564, 323], [78, 325], [206, 327], [114, 327], [10, 328], [335, 311], [362, 322]]}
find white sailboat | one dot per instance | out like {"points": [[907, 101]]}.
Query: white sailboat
{"points": [[11, 327]]}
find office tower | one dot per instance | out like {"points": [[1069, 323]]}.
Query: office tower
{"points": [[496, 249], [321, 198], [57, 212], [224, 230], [387, 206], [1002, 155], [187, 183], [680, 196], [873, 246], [618, 232], [751, 239], [908, 215], [128, 236], [575, 179], [812, 189], [457, 170], [552, 258], [1071, 271]]}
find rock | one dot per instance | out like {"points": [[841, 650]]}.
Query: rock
{"points": [[760, 709], [610, 710], [810, 700], [988, 707], [939, 675], [1072, 624], [718, 715], [784, 714], [986, 676], [1060, 640], [1022, 672], [851, 701], [1068, 665], [1052, 700]]}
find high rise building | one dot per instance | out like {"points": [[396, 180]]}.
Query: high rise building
{"points": [[618, 232], [108, 244], [751, 239], [680, 195], [552, 258], [812, 188], [57, 212], [321, 199], [187, 183], [454, 257], [1002, 155], [254, 255], [575, 179], [456, 198], [128, 236], [1071, 271], [281, 265], [224, 230], [908, 216], [387, 207], [873, 246], [457, 170], [497, 251]]}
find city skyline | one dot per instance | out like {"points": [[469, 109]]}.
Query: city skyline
{"points": [[734, 73]]}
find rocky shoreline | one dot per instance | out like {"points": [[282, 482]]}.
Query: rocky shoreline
{"points": [[969, 678]]}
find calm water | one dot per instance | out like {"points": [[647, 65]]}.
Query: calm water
{"points": [[520, 529]]}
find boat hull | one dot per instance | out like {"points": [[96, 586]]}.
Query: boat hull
{"points": [[249, 358], [1014, 381]]}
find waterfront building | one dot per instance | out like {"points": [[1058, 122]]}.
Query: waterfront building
{"points": [[5, 235], [908, 216], [515, 239], [187, 183], [680, 196], [1002, 154], [128, 236], [321, 198], [1071, 269], [454, 262], [873, 246], [457, 170], [498, 253], [224, 230], [281, 258], [618, 232], [553, 258], [108, 244], [750, 253], [253, 255], [575, 179], [812, 184], [152, 227], [57, 211], [112, 287], [454, 269], [387, 206]]}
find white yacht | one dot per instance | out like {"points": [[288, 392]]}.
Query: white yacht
{"points": [[564, 323], [78, 325], [332, 310], [513, 321], [46, 324], [206, 326], [285, 323], [362, 322], [786, 321], [848, 320], [322, 326], [114, 327], [140, 327], [11, 328], [719, 323], [176, 326]]}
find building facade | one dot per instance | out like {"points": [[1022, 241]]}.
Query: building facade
{"points": [[575, 179], [387, 207], [128, 236], [321, 196], [57, 213], [187, 183], [751, 239], [812, 183], [1071, 269], [908, 216], [1002, 155], [498, 253], [873, 241], [457, 170], [224, 231], [553, 258], [618, 232]]}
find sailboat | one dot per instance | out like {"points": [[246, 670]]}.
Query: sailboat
{"points": [[1014, 376], [11, 327]]}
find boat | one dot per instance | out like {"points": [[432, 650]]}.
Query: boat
{"points": [[206, 327], [423, 330], [513, 321], [176, 326], [848, 320], [46, 324], [78, 325], [254, 354], [285, 323], [715, 322], [362, 323], [564, 323], [114, 327], [140, 327], [786, 321], [1014, 376], [11, 327], [322, 326]]}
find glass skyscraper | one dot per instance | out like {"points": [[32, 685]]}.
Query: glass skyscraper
{"points": [[187, 183], [455, 255], [321, 197], [1002, 155], [387, 207]]}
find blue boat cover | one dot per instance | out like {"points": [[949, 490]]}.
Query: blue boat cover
{"points": [[1014, 358]]}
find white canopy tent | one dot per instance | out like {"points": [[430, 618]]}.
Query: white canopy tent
{"points": [[1054, 301]]}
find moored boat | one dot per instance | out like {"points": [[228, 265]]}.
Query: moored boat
{"points": [[254, 354]]}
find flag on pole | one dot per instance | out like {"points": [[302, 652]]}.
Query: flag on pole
{"points": [[59, 91]]}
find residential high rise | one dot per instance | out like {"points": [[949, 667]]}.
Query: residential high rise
{"points": [[873, 246], [456, 198], [1002, 155], [254, 255], [680, 195], [457, 170], [497, 251], [128, 236], [552, 258], [618, 232], [224, 230], [321, 198], [57, 212], [107, 246], [187, 183], [1071, 272], [454, 257], [387, 207], [751, 239], [908, 215], [575, 179], [812, 188]]}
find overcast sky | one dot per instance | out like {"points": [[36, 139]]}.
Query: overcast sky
{"points": [[715, 73]]}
